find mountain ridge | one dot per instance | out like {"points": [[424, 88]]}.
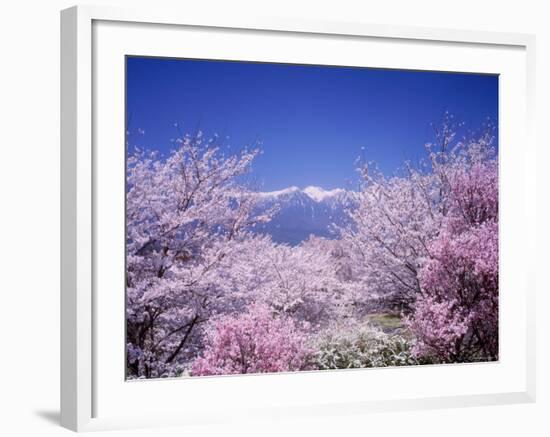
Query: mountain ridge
{"points": [[304, 212]]}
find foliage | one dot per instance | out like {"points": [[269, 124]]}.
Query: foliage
{"points": [[362, 346]]}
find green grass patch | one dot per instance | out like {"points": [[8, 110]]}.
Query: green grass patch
{"points": [[387, 322]]}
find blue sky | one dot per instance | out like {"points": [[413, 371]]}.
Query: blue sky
{"points": [[312, 120]]}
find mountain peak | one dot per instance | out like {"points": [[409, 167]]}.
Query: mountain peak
{"points": [[315, 193], [319, 194], [301, 213], [277, 193]]}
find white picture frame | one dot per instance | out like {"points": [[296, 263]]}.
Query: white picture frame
{"points": [[86, 376]]}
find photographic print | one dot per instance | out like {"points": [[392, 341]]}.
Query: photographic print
{"points": [[285, 218]]}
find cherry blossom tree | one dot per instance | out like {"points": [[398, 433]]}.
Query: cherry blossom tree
{"points": [[257, 341], [399, 216], [186, 213], [301, 281], [456, 316]]}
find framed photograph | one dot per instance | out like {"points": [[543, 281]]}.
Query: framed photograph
{"points": [[271, 218]]}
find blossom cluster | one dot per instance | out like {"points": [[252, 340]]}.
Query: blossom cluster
{"points": [[253, 342]]}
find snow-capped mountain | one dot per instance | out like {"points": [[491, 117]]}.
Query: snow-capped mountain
{"points": [[304, 212]]}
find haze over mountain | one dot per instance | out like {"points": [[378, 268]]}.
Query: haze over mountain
{"points": [[305, 212]]}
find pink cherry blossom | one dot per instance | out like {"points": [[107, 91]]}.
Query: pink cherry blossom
{"points": [[253, 342]]}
